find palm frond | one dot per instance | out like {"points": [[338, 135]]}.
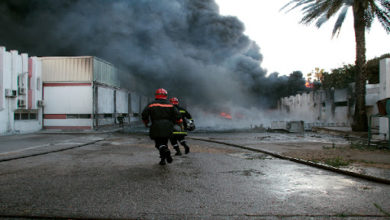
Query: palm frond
{"points": [[334, 7], [312, 12], [369, 16], [324, 18], [321, 10], [385, 4], [297, 3], [384, 18], [340, 20]]}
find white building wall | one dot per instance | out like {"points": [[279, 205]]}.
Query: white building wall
{"points": [[106, 106], [14, 76], [66, 103], [122, 102], [105, 100], [7, 105], [384, 92], [301, 107], [135, 103], [35, 71], [68, 123], [22, 80], [62, 99]]}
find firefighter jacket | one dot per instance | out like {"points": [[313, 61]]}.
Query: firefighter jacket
{"points": [[185, 115], [163, 116]]}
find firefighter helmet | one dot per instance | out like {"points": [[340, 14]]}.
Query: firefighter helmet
{"points": [[174, 101], [161, 93]]}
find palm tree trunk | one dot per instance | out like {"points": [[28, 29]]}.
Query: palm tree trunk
{"points": [[360, 116]]}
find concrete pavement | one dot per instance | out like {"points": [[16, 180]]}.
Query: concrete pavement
{"points": [[275, 144], [119, 178], [280, 145]]}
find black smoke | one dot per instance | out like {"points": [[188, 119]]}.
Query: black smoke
{"points": [[185, 46]]}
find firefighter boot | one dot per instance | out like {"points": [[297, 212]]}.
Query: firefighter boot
{"points": [[186, 148], [162, 161], [162, 155], [166, 153], [177, 149]]}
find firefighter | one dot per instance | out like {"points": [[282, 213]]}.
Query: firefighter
{"points": [[180, 132], [162, 115]]}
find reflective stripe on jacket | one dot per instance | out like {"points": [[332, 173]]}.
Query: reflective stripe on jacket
{"points": [[184, 114], [163, 116]]}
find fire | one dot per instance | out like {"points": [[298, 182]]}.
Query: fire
{"points": [[225, 115], [308, 84]]}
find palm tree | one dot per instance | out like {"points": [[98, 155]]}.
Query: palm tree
{"points": [[364, 13]]}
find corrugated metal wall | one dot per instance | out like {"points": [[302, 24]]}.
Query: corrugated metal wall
{"points": [[108, 74], [105, 73], [67, 69], [84, 69]]}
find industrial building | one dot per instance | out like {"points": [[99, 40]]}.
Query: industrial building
{"points": [[20, 93], [82, 93], [87, 93]]}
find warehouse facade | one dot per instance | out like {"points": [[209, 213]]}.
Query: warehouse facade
{"points": [[87, 93]]}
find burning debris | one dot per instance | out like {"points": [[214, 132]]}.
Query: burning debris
{"points": [[225, 115]]}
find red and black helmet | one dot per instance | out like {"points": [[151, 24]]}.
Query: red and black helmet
{"points": [[174, 100], [161, 93]]}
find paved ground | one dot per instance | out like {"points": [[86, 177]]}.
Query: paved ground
{"points": [[119, 178], [322, 149]]}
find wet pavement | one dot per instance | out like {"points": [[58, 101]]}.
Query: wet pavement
{"points": [[118, 177], [282, 143]]}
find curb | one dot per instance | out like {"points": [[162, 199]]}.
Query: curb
{"points": [[306, 162]]}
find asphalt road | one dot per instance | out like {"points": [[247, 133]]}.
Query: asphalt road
{"points": [[119, 178]]}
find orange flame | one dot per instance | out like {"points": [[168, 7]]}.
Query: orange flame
{"points": [[308, 84], [225, 115]]}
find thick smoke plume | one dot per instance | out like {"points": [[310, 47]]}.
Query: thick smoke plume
{"points": [[184, 46]]}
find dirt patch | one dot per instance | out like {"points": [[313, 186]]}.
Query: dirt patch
{"points": [[343, 156]]}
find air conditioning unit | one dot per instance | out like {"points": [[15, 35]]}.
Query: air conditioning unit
{"points": [[41, 103], [22, 91], [9, 93], [21, 103]]}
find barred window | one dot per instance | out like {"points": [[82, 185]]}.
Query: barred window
{"points": [[25, 115]]}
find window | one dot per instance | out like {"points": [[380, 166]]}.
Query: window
{"points": [[25, 115], [33, 116]]}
